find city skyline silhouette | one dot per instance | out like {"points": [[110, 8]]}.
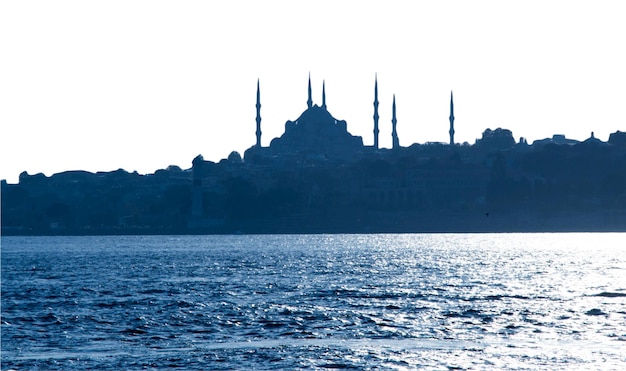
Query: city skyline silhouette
{"points": [[317, 177]]}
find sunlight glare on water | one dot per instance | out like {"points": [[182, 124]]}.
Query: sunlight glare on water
{"points": [[431, 301]]}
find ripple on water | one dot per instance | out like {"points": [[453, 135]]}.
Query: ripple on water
{"points": [[292, 302]]}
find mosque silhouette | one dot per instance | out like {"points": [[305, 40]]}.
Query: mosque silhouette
{"points": [[317, 133]]}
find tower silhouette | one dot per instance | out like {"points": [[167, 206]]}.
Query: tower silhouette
{"points": [[376, 112], [324, 94], [394, 121], [309, 102], [258, 114], [451, 119]]}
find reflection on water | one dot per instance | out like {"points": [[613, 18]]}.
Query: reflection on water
{"points": [[525, 301]]}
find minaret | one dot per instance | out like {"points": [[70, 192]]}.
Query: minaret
{"points": [[309, 102], [394, 121], [451, 119], [258, 114], [376, 112], [323, 94]]}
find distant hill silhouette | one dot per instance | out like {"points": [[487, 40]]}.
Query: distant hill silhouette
{"points": [[317, 177]]}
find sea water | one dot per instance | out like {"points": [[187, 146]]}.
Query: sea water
{"points": [[429, 301]]}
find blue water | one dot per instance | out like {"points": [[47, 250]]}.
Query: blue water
{"points": [[444, 301]]}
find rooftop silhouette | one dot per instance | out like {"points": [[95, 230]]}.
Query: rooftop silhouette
{"points": [[318, 177]]}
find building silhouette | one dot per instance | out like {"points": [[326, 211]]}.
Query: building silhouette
{"points": [[317, 134], [318, 177]]}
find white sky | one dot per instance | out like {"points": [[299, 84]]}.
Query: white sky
{"points": [[140, 85]]}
